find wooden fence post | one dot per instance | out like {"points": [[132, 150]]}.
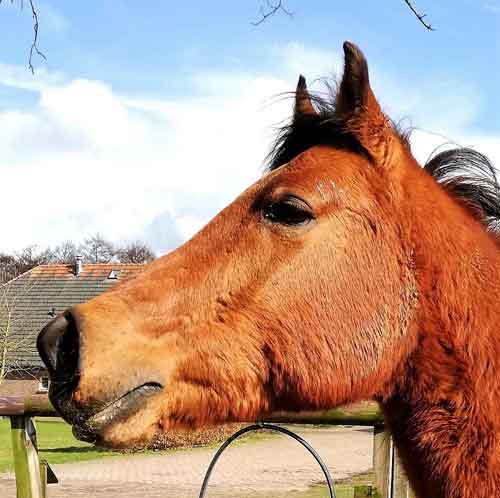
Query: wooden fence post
{"points": [[43, 479], [381, 459], [26, 463], [400, 485], [390, 477]]}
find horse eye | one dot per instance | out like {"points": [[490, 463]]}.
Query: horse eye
{"points": [[290, 211]]}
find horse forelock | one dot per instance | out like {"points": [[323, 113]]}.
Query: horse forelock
{"points": [[323, 127]]}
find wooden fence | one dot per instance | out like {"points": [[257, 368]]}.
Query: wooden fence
{"points": [[32, 474]]}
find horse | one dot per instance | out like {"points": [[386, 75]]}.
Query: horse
{"points": [[346, 272]]}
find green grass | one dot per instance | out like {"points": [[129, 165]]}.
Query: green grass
{"points": [[55, 442], [344, 488], [320, 491]]}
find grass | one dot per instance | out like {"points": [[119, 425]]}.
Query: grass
{"points": [[56, 444], [343, 489]]}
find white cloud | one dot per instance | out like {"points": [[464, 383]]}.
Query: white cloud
{"points": [[87, 160], [18, 77], [425, 143]]}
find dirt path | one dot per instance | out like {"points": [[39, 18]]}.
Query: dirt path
{"points": [[276, 465]]}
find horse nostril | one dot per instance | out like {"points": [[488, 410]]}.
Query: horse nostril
{"points": [[67, 351], [58, 347], [48, 341]]}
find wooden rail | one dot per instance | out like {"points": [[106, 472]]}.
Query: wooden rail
{"points": [[369, 417], [37, 405], [31, 473]]}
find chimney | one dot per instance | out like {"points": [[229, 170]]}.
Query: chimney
{"points": [[78, 265]]}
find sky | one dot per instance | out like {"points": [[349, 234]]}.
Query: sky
{"points": [[147, 118]]}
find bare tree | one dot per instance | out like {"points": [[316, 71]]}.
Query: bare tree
{"points": [[418, 15], [31, 256], [13, 343], [278, 6], [64, 253], [8, 268], [12, 265], [96, 249], [270, 9], [135, 252]]}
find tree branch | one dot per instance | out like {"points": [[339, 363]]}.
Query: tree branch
{"points": [[419, 16], [271, 10], [34, 45]]}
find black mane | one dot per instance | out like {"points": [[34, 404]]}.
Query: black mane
{"points": [[322, 128], [308, 130], [463, 172], [469, 176]]}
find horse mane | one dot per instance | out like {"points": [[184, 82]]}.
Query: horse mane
{"points": [[470, 177], [467, 175]]}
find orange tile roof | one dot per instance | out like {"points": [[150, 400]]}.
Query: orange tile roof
{"points": [[88, 270]]}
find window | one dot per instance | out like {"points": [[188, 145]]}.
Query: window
{"points": [[43, 384], [113, 274]]}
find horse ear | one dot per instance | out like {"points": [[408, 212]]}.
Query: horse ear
{"points": [[352, 96], [303, 104], [357, 106]]}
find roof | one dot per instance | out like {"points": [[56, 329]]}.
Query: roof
{"points": [[30, 301]]}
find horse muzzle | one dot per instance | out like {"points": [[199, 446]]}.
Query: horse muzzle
{"points": [[90, 428], [58, 346]]}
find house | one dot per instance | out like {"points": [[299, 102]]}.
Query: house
{"points": [[30, 301]]}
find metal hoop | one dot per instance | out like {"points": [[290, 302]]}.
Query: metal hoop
{"points": [[274, 428]]}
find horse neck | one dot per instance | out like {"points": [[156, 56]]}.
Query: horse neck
{"points": [[444, 409]]}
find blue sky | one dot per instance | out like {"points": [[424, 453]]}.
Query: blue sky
{"points": [[108, 121]]}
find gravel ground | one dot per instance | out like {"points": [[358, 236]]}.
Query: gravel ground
{"points": [[269, 466]]}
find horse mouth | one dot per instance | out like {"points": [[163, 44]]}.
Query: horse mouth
{"points": [[121, 408]]}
